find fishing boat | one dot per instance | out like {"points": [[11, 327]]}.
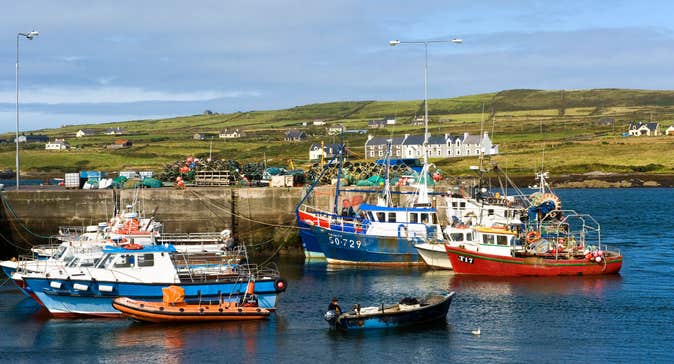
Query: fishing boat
{"points": [[173, 308], [367, 234], [562, 243], [141, 271], [434, 254], [408, 312]]}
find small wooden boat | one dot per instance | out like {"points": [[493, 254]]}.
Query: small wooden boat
{"points": [[174, 309], [409, 312]]}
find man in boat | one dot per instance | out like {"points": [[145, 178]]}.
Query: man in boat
{"points": [[334, 306]]}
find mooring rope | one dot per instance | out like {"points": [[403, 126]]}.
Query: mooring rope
{"points": [[12, 213]]}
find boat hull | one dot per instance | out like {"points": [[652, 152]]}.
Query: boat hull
{"points": [[158, 312], [342, 247], [312, 249], [70, 300], [431, 313], [470, 262], [434, 255]]}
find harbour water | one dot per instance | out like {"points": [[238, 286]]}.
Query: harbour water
{"points": [[621, 318]]}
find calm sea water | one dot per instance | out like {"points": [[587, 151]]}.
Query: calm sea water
{"points": [[623, 318]]}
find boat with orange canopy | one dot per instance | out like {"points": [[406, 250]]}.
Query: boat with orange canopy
{"points": [[173, 308]]}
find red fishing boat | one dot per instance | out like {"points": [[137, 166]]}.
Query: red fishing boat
{"points": [[566, 243], [472, 262]]}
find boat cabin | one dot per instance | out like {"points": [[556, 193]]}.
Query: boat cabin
{"points": [[407, 222]]}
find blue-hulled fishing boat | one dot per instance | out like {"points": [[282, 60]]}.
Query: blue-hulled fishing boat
{"points": [[140, 272], [409, 312], [366, 234]]}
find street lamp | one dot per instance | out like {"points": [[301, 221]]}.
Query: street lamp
{"points": [[423, 194], [30, 36]]}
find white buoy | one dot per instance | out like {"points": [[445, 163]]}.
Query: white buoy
{"points": [[476, 332]]}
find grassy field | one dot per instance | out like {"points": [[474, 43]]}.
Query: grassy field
{"points": [[567, 131]]}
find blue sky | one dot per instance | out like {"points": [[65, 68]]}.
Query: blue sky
{"points": [[98, 61]]}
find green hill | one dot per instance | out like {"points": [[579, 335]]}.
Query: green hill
{"points": [[569, 131]]}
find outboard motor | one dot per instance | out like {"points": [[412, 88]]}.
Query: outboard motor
{"points": [[331, 317]]}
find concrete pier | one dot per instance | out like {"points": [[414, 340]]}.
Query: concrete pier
{"points": [[255, 215]]}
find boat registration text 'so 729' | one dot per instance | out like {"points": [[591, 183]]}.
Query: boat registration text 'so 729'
{"points": [[344, 242]]}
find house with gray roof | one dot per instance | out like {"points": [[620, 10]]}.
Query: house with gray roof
{"points": [[648, 129], [327, 152], [439, 146], [294, 135]]}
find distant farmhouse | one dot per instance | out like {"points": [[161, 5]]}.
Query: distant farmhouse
{"points": [[120, 144], [30, 138], [328, 151], [441, 146], [57, 144], [114, 131], [230, 134], [376, 124], [319, 122], [85, 132], [335, 129], [647, 129], [204, 136], [670, 130], [294, 135]]}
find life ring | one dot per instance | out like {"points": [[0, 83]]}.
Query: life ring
{"points": [[280, 285], [133, 246], [533, 236]]}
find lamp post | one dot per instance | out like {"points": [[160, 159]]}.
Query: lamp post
{"points": [[30, 36], [423, 194]]}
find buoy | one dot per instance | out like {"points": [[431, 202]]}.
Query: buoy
{"points": [[476, 332]]}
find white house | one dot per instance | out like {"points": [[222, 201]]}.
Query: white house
{"points": [[230, 133], [85, 132], [57, 144], [440, 146], [670, 130], [327, 152], [647, 129], [319, 122], [390, 121], [114, 131]]}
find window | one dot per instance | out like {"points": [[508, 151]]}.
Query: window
{"points": [[434, 217], [488, 239], [424, 218], [124, 261], [392, 217], [490, 212], [469, 237], [105, 262], [370, 216], [146, 260], [462, 204], [381, 216], [455, 204], [414, 217], [456, 237], [501, 240]]}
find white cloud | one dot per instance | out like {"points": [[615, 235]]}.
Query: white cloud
{"points": [[86, 95]]}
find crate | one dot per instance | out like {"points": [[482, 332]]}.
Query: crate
{"points": [[211, 178], [278, 181], [72, 180]]}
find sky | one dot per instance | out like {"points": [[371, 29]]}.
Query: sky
{"points": [[101, 61]]}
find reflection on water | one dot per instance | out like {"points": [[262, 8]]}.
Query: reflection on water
{"points": [[552, 286], [618, 318]]}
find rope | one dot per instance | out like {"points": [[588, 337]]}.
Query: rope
{"points": [[5, 281], [208, 202], [9, 208], [12, 244]]}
